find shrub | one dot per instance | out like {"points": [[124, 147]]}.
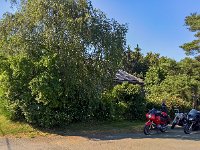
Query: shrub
{"points": [[106, 108], [129, 101], [172, 102]]}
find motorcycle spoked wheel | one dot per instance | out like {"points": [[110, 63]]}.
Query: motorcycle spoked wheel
{"points": [[188, 128]]}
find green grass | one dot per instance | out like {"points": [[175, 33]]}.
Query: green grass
{"points": [[104, 127], [10, 128], [17, 129]]}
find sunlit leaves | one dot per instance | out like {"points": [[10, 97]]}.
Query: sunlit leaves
{"points": [[70, 53], [193, 22]]}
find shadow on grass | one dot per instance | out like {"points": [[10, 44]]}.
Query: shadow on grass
{"points": [[96, 127]]}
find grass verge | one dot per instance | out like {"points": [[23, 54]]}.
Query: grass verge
{"points": [[100, 127], [19, 129]]}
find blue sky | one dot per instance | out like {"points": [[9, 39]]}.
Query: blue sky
{"points": [[156, 25]]}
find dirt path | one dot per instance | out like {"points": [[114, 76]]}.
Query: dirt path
{"points": [[173, 140]]}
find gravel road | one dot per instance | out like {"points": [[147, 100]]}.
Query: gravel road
{"points": [[171, 140]]}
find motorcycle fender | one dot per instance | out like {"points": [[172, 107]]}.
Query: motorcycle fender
{"points": [[148, 123]]}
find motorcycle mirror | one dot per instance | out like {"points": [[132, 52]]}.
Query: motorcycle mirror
{"points": [[176, 110]]}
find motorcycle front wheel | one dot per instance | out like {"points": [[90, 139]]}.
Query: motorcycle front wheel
{"points": [[147, 130], [188, 128]]}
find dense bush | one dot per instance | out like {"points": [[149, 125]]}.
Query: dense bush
{"points": [[106, 108], [36, 93], [176, 88], [172, 103], [128, 101]]}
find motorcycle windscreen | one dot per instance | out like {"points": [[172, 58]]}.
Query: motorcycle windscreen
{"points": [[193, 112]]}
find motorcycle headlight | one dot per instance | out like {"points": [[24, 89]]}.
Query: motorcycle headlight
{"points": [[149, 115]]}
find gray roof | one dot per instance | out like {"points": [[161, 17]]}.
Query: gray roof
{"points": [[122, 76]]}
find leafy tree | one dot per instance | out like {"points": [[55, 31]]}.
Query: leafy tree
{"points": [[171, 80], [61, 55], [177, 85], [193, 22], [168, 65], [191, 67], [176, 90], [157, 73], [134, 62], [151, 59]]}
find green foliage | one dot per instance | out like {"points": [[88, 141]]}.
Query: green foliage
{"points": [[154, 76], [59, 57], [172, 102], [193, 22], [106, 107], [124, 101], [190, 67], [129, 101], [179, 86], [58, 60], [178, 83], [168, 66], [135, 63]]}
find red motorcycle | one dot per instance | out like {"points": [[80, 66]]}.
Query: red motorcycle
{"points": [[157, 120]]}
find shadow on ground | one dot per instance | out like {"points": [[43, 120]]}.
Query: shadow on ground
{"points": [[176, 133]]}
